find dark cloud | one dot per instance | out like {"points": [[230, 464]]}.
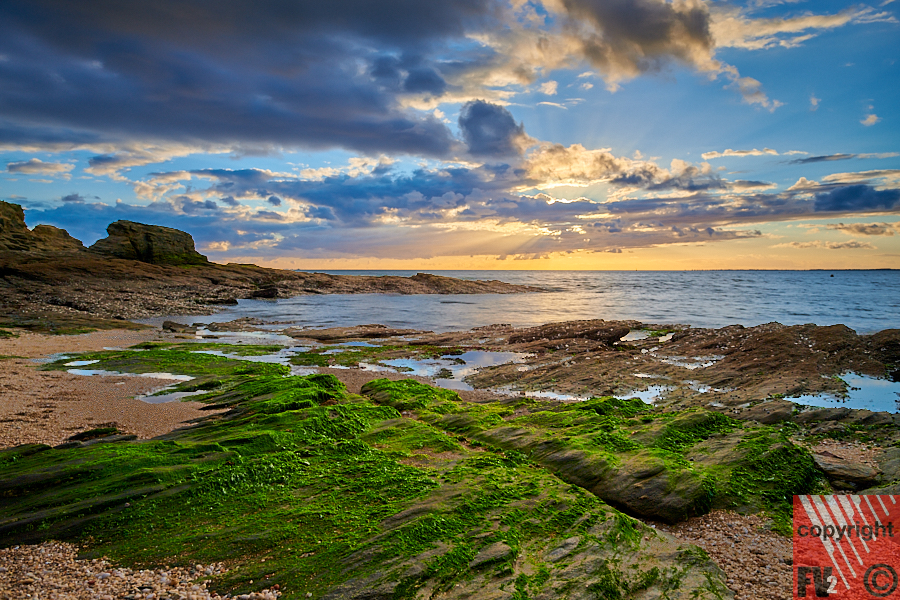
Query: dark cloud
{"points": [[274, 200], [274, 72], [490, 130], [230, 201], [76, 198], [857, 198], [825, 158], [641, 35]]}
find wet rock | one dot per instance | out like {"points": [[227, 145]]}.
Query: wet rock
{"points": [[840, 469], [174, 327], [148, 243], [822, 414]]}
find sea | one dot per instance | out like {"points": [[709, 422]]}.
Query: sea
{"points": [[866, 301]]}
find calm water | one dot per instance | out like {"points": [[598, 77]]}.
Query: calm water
{"points": [[866, 301]]}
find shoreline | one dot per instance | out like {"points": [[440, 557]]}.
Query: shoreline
{"points": [[742, 545]]}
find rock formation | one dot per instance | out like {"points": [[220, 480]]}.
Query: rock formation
{"points": [[16, 237], [149, 243]]}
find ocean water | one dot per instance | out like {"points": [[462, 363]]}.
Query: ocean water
{"points": [[866, 301]]}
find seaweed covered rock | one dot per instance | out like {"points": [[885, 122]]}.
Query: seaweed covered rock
{"points": [[663, 466], [149, 243], [331, 495]]}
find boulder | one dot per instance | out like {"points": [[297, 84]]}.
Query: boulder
{"points": [[841, 469], [889, 463], [151, 244]]}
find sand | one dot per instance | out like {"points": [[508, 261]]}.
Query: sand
{"points": [[47, 407]]}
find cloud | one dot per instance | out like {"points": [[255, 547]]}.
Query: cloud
{"points": [[735, 28], [490, 130], [857, 198], [886, 229], [870, 120], [36, 166], [825, 158], [549, 88], [814, 103], [76, 198], [730, 152], [851, 245]]}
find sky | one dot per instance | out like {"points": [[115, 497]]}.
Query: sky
{"points": [[463, 134]]}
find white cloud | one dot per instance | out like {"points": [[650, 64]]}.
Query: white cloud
{"points": [[730, 152], [549, 88], [814, 102], [870, 120]]}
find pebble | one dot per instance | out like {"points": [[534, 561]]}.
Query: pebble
{"points": [[51, 571], [756, 561]]}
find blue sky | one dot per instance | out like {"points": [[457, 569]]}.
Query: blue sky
{"points": [[607, 134]]}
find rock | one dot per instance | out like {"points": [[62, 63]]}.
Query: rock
{"points": [[826, 428], [16, 237], [769, 413], [839, 469], [178, 327], [823, 414], [889, 463], [149, 243], [496, 552], [54, 239], [567, 546], [878, 418], [336, 334]]}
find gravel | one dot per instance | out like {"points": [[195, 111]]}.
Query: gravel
{"points": [[51, 571], [757, 562]]}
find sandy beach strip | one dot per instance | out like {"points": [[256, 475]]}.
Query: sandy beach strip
{"points": [[47, 407]]}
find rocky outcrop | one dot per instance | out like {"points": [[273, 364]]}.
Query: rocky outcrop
{"points": [[16, 237], [151, 244]]}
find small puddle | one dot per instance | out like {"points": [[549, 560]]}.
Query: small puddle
{"points": [[170, 397], [651, 395], [282, 357], [80, 363], [101, 372], [635, 335], [864, 392]]}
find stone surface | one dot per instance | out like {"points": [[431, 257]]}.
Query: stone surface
{"points": [[151, 244], [840, 469], [769, 413], [496, 552]]}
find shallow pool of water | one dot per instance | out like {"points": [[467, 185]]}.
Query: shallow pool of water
{"points": [[651, 395], [92, 372], [80, 363], [864, 392]]}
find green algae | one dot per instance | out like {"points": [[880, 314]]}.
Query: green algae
{"points": [[317, 490], [695, 459]]}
